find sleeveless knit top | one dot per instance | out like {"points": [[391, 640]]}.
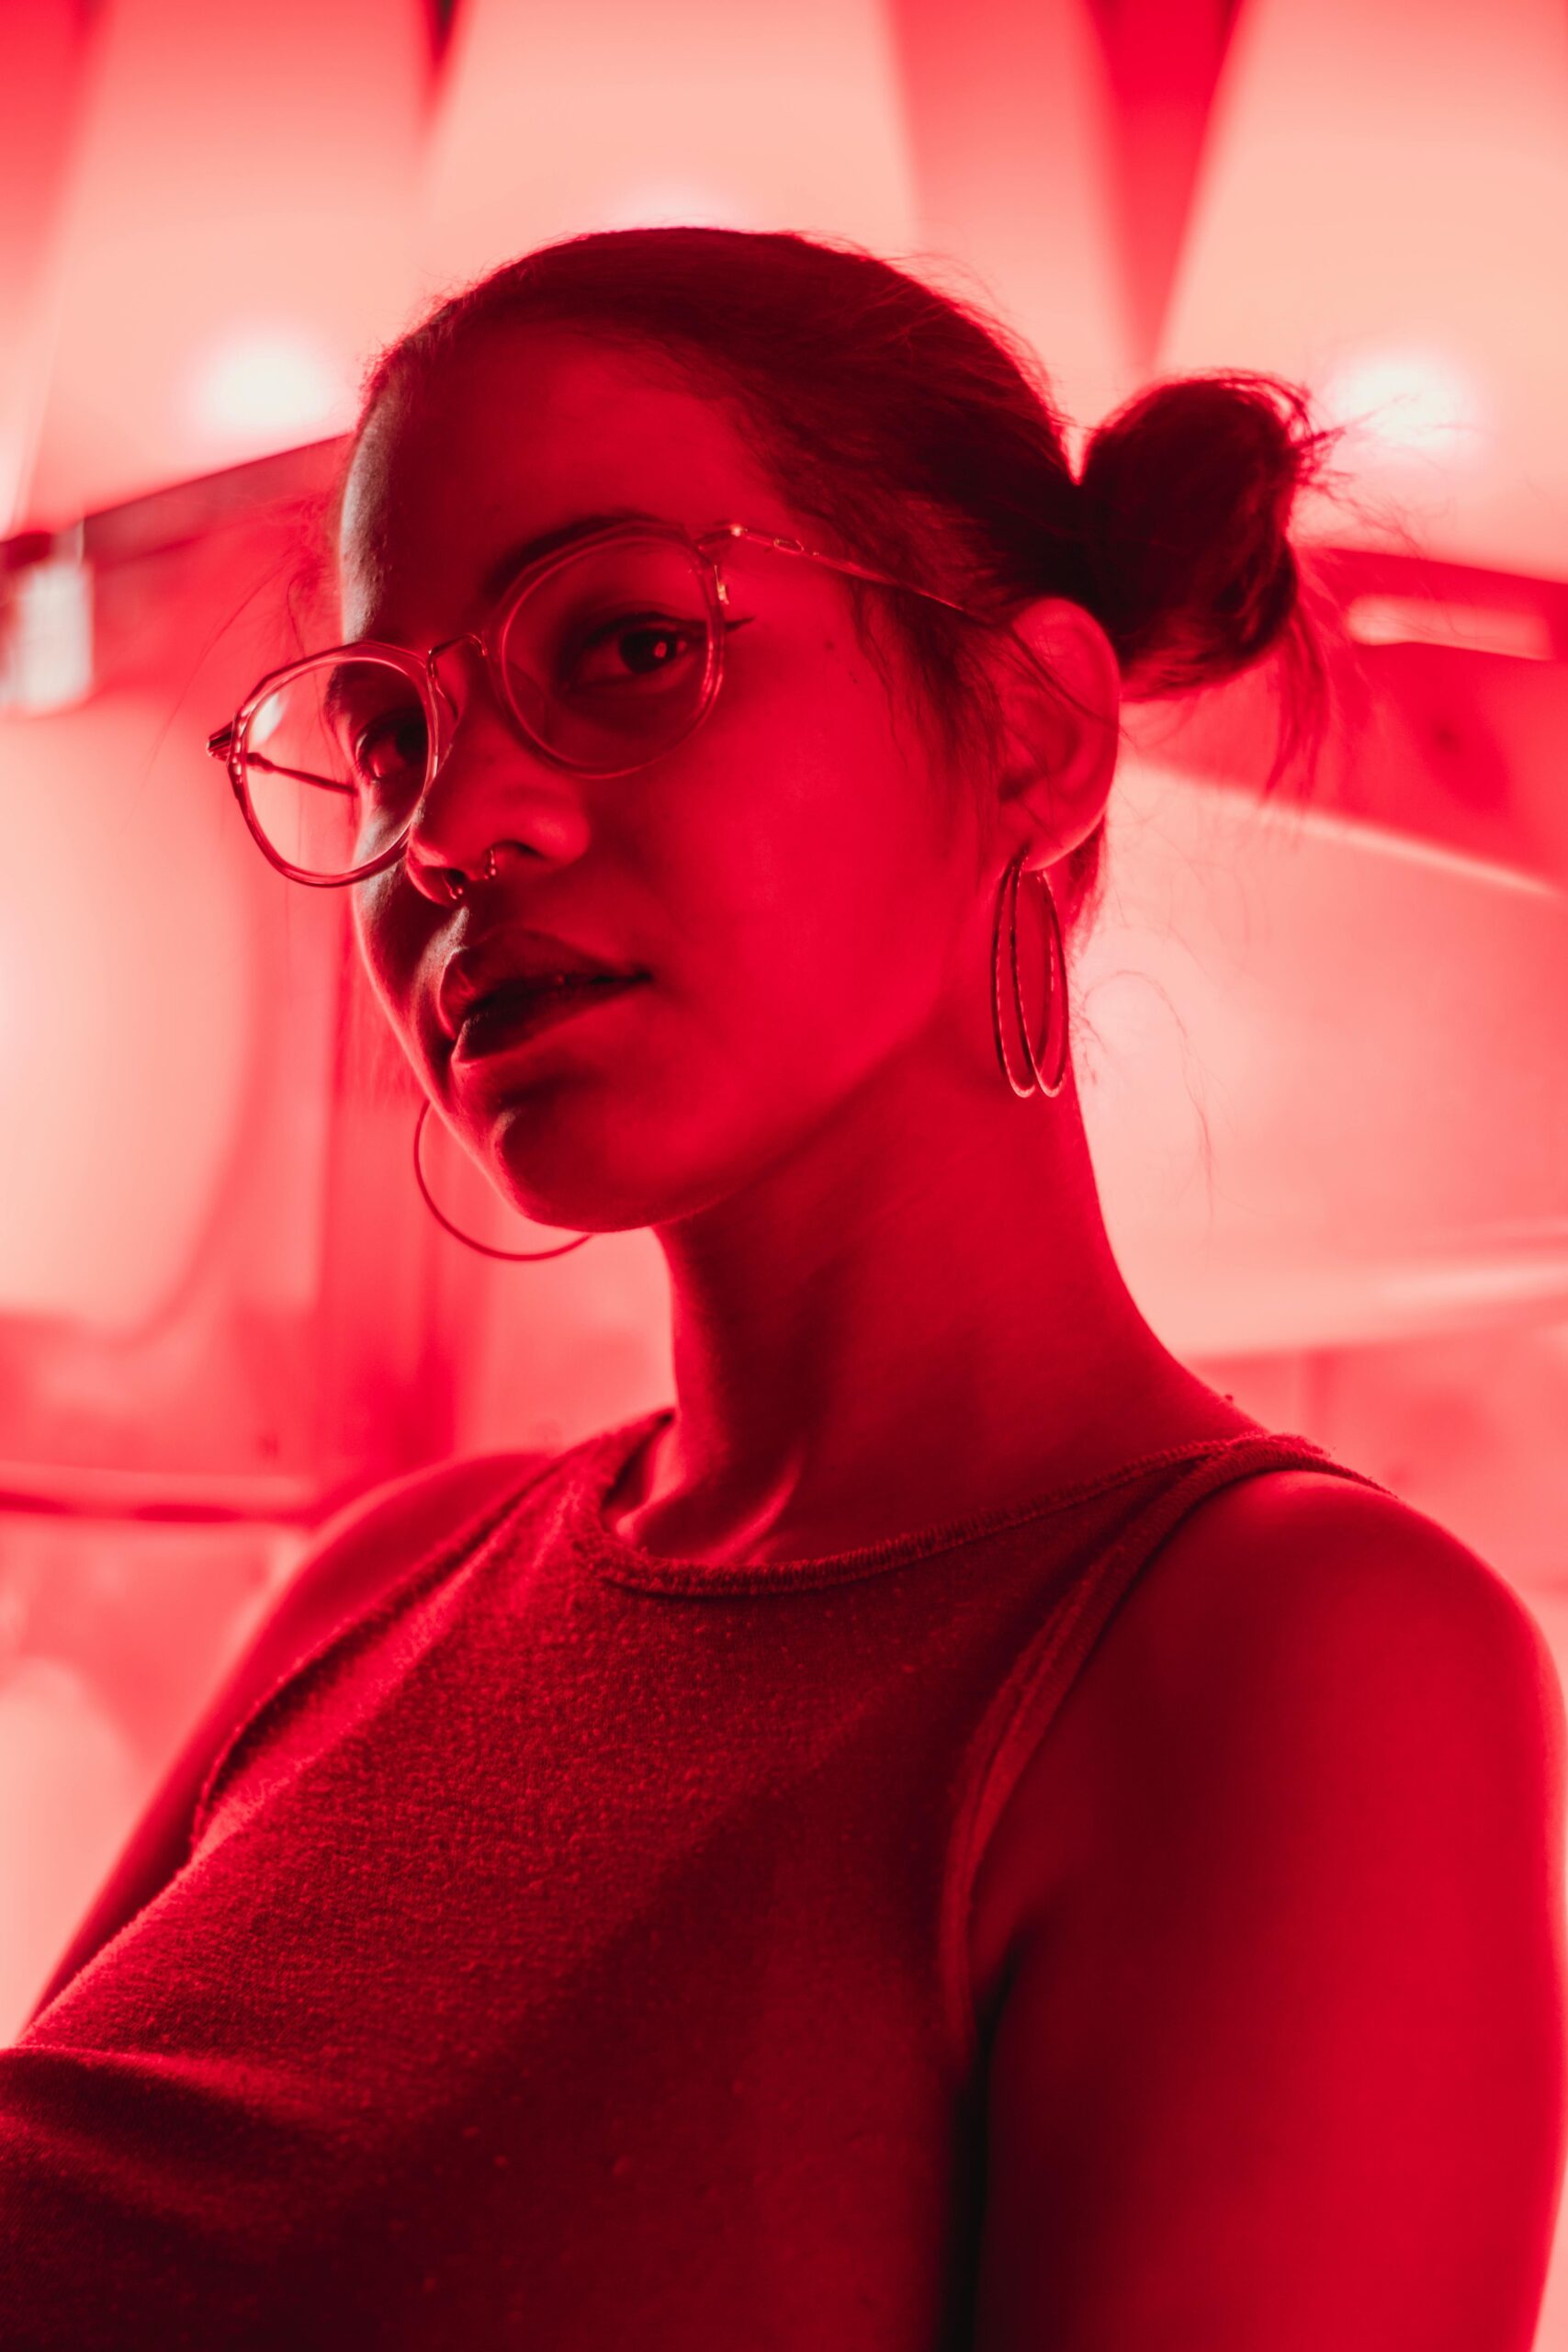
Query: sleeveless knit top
{"points": [[571, 1952]]}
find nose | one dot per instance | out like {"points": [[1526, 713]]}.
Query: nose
{"points": [[491, 783]]}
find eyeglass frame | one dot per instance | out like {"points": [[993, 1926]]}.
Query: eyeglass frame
{"points": [[442, 715]]}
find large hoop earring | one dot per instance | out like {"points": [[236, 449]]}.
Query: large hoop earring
{"points": [[1056, 988], [514, 1257]]}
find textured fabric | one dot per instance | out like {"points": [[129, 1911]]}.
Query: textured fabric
{"points": [[571, 1952]]}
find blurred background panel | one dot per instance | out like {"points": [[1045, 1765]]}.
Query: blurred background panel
{"points": [[1320, 1030], [228, 239], [551, 122], [1382, 210], [1013, 132], [41, 92], [177, 1046], [1325, 1075], [104, 1625]]}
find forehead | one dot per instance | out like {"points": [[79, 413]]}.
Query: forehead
{"points": [[519, 433]]}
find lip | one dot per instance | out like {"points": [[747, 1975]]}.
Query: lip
{"points": [[510, 1015], [514, 955]]}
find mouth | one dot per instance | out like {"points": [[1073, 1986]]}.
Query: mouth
{"points": [[509, 1016]]}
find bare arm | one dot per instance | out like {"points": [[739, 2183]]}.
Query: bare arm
{"points": [[355, 1556], [1280, 2065]]}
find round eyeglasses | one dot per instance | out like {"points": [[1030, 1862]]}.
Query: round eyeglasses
{"points": [[605, 654]]}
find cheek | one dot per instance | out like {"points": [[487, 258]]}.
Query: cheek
{"points": [[818, 906], [391, 939]]}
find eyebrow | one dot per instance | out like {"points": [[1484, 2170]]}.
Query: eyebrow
{"points": [[517, 558]]}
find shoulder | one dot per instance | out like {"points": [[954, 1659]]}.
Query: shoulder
{"points": [[361, 1550], [1299, 1645], [352, 1558], [358, 1553], [1286, 1881], [1297, 1595], [1317, 1652], [1279, 1571], [379, 1532]]}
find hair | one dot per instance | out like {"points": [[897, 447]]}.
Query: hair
{"points": [[923, 438]]}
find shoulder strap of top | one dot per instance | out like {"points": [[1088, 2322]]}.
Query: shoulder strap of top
{"points": [[1022, 1710]]}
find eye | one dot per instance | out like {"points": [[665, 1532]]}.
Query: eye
{"points": [[390, 748], [631, 648], [375, 725]]}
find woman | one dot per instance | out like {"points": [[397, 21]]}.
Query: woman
{"points": [[631, 1896]]}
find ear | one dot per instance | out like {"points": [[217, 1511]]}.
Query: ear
{"points": [[1061, 692]]}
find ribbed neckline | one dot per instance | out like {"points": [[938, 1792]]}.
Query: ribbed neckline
{"points": [[596, 1465]]}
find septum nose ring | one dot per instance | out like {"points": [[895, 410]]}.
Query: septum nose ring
{"points": [[457, 884]]}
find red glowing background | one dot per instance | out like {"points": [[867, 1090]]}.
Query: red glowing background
{"points": [[1324, 1051]]}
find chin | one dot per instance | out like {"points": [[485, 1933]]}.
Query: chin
{"points": [[652, 1148], [604, 1207], [557, 1173]]}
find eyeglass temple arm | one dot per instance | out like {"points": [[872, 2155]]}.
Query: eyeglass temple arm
{"points": [[219, 746], [834, 564]]}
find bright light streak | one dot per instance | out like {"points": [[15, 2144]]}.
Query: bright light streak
{"points": [[265, 386], [265, 722], [1358, 834], [673, 204], [46, 636], [1403, 404], [1479, 1282], [1473, 629]]}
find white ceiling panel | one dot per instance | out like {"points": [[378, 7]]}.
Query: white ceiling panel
{"points": [[234, 236], [128, 1011], [555, 121], [1384, 212], [41, 43], [1010, 126]]}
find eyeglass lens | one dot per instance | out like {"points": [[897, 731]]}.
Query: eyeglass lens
{"points": [[605, 660]]}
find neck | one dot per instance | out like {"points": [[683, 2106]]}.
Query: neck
{"points": [[918, 1316]]}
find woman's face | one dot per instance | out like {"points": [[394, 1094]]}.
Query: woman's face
{"points": [[789, 879]]}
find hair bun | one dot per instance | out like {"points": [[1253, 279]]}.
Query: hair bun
{"points": [[1186, 500]]}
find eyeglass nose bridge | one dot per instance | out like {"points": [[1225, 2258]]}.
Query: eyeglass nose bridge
{"points": [[437, 682]]}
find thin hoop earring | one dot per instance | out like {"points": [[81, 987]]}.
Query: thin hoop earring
{"points": [[515, 1256], [1055, 987]]}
